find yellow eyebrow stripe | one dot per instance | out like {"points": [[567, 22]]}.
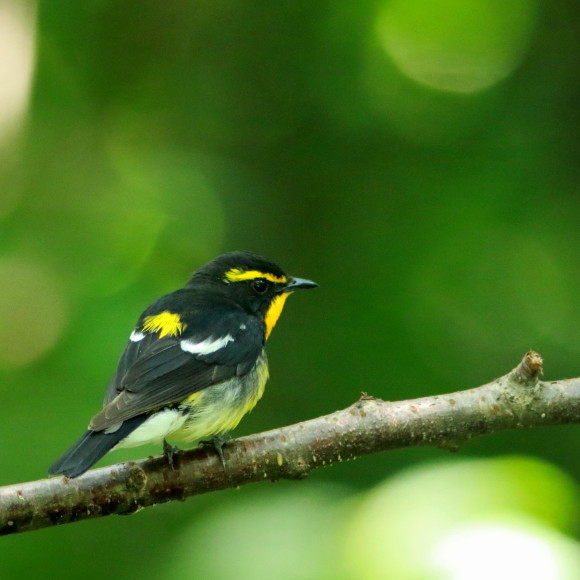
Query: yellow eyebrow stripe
{"points": [[237, 275], [166, 324]]}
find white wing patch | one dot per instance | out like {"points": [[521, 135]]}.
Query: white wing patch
{"points": [[207, 346], [136, 336]]}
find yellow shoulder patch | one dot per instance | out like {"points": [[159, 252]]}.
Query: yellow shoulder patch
{"points": [[166, 324], [237, 275]]}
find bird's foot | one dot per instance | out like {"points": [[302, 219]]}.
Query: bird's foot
{"points": [[170, 452], [217, 442]]}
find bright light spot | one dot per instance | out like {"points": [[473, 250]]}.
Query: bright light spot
{"points": [[17, 37], [32, 312], [411, 526], [504, 552], [461, 46]]}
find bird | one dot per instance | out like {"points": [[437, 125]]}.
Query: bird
{"points": [[194, 364]]}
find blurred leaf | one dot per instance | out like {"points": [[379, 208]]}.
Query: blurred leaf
{"points": [[398, 528]]}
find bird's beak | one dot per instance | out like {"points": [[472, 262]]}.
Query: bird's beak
{"points": [[299, 284]]}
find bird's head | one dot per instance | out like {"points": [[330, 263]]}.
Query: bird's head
{"points": [[254, 283]]}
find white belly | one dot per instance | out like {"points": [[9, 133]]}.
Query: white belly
{"points": [[154, 429]]}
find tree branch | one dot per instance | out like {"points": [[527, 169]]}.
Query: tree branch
{"points": [[517, 400]]}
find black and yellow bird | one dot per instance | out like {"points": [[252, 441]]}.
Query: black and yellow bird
{"points": [[195, 363]]}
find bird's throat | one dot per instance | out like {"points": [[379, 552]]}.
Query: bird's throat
{"points": [[274, 311]]}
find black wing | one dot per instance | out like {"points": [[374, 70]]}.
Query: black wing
{"points": [[154, 372]]}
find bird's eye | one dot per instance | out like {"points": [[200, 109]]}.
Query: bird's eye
{"points": [[260, 285]]}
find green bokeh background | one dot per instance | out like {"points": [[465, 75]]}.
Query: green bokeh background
{"points": [[418, 160]]}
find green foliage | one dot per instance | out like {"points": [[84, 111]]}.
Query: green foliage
{"points": [[419, 162]]}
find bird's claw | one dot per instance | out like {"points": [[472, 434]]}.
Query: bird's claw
{"points": [[170, 452], [217, 443]]}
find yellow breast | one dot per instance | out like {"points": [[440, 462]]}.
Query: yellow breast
{"points": [[219, 408]]}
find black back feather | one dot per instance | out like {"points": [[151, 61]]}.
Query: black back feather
{"points": [[156, 371]]}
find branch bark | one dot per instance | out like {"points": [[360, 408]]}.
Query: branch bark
{"points": [[517, 400]]}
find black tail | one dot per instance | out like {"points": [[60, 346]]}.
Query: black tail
{"points": [[91, 447]]}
